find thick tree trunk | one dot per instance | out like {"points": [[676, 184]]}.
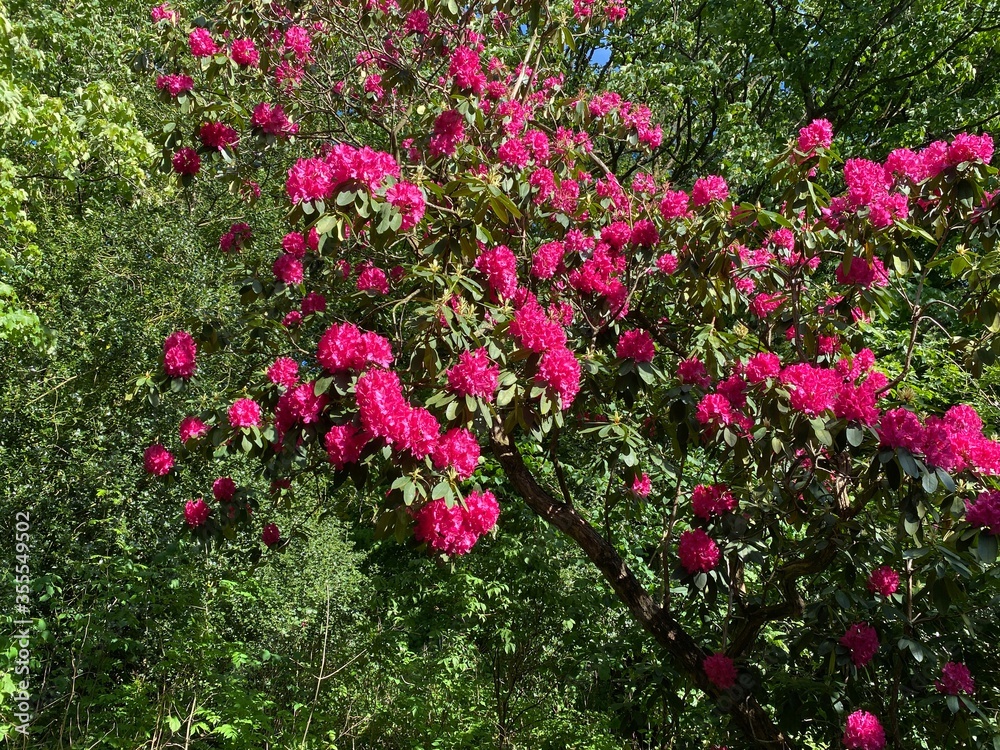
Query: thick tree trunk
{"points": [[686, 654]]}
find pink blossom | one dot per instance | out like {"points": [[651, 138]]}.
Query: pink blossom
{"points": [[288, 269], [966, 148], [196, 513], [466, 70], [692, 372], [244, 412], [418, 21], [560, 370], [901, 428], [817, 134], [720, 670], [863, 274], [201, 43], [459, 450], [697, 551], [711, 500], [667, 263], [191, 428], [547, 260], [762, 366], [883, 581], [636, 345], [244, 53], [271, 535], [455, 530], [863, 732], [499, 265], [272, 120], [984, 512], [955, 678], [237, 238], [861, 641], [708, 189], [408, 199], [223, 489], [157, 460], [373, 279], [163, 12], [764, 304], [644, 234], [641, 485], [218, 135], [297, 42], [284, 371], [314, 302], [674, 205], [179, 355], [292, 320], [811, 390], [345, 347], [449, 131], [186, 161], [535, 331], [344, 444], [474, 375], [175, 85]]}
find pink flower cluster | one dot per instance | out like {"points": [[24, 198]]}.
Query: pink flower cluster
{"points": [[272, 120], [314, 178], [642, 485], [191, 428], [244, 412], [861, 641], [864, 274], [180, 355], [202, 44], [636, 345], [157, 460], [954, 442], [474, 375], [863, 732], [449, 131], [163, 13], [223, 489], [385, 413], [196, 513], [817, 134], [344, 444], [218, 135], [883, 581], [712, 500], [407, 198], [709, 189], [499, 266], [345, 347], [237, 238], [270, 535], [955, 678], [457, 449], [298, 406], [244, 53], [186, 161], [175, 85], [455, 530], [697, 551], [985, 511], [548, 260], [720, 670]]}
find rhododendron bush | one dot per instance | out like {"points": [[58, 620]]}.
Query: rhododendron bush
{"points": [[469, 309]]}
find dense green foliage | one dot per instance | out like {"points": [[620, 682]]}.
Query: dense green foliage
{"points": [[144, 640]]}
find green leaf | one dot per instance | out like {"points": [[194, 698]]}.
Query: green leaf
{"points": [[987, 548]]}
